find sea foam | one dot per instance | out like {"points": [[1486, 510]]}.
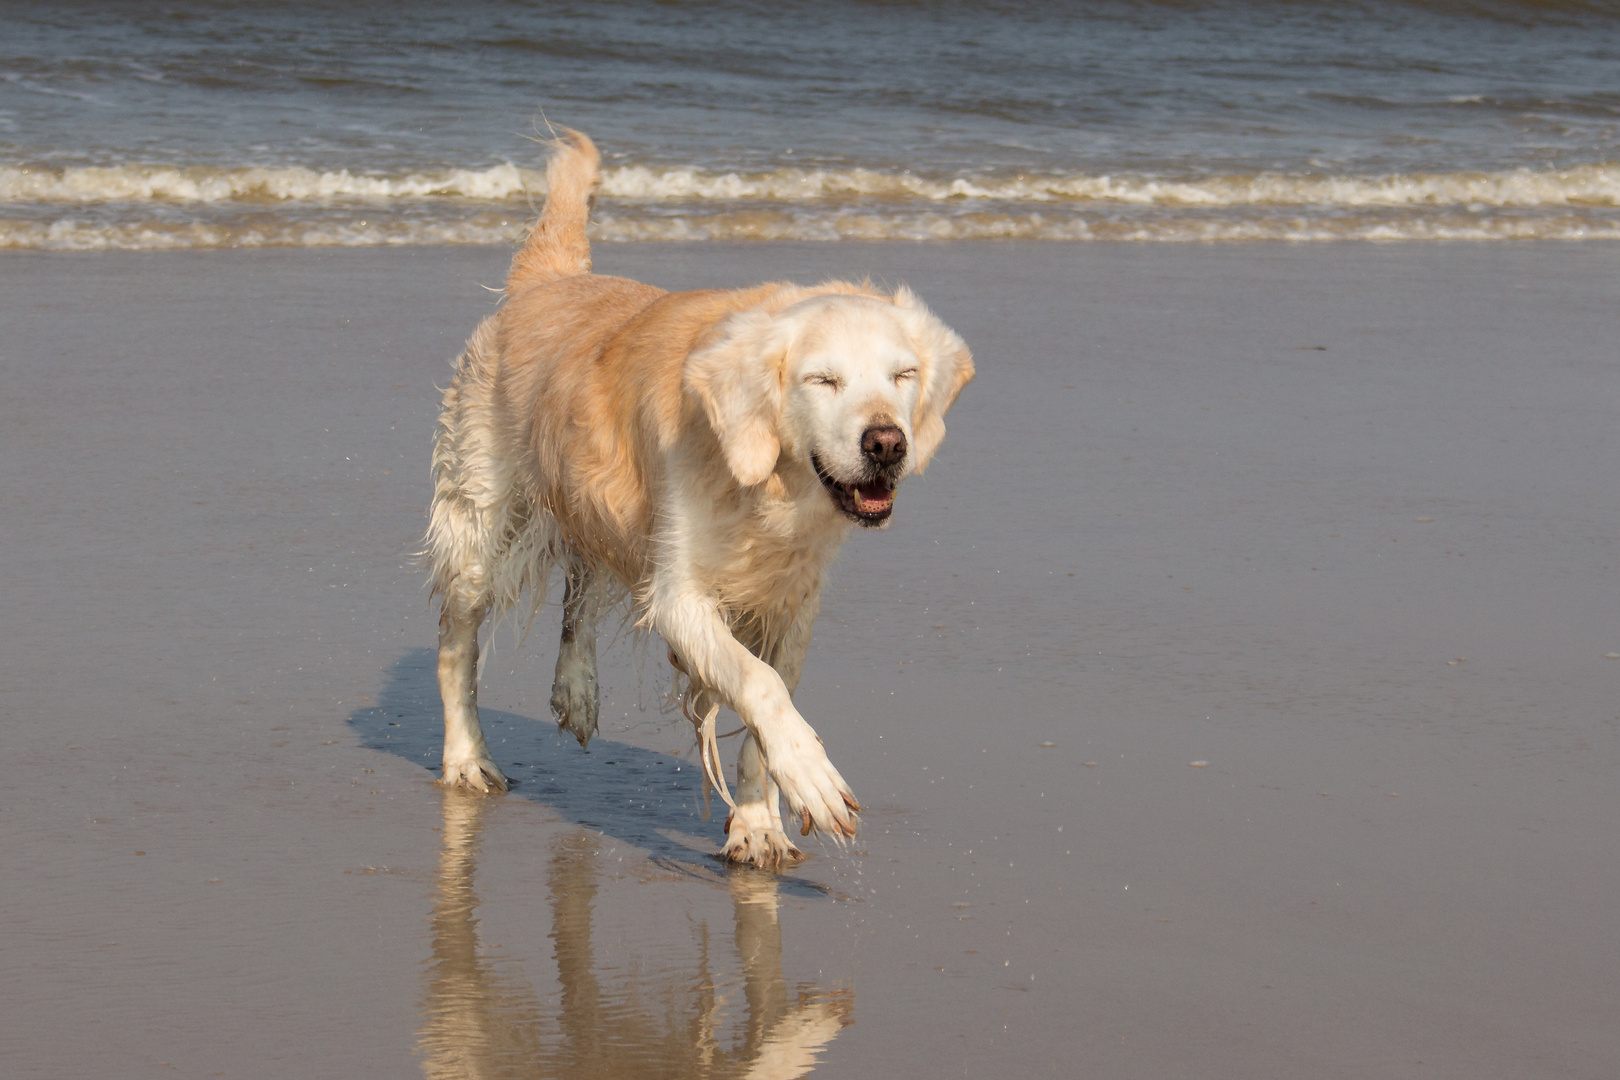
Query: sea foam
{"points": [[199, 184], [157, 206], [1587, 185], [69, 234]]}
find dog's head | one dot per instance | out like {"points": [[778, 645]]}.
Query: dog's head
{"points": [[852, 387]]}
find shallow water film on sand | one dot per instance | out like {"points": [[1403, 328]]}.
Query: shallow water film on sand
{"points": [[1235, 697], [200, 125]]}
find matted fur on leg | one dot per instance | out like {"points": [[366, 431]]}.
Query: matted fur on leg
{"points": [[486, 544], [576, 696]]}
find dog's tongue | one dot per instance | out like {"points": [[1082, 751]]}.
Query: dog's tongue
{"points": [[874, 495]]}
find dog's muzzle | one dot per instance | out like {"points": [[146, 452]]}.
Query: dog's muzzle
{"points": [[870, 499]]}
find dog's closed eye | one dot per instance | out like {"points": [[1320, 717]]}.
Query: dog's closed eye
{"points": [[908, 373], [821, 378]]}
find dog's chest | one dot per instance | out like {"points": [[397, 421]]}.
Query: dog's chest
{"points": [[770, 565]]}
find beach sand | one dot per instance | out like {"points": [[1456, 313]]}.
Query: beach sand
{"points": [[1231, 699]]}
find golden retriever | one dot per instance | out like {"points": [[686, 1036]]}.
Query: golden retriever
{"points": [[701, 455]]}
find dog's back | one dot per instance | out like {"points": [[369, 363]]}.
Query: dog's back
{"points": [[589, 371]]}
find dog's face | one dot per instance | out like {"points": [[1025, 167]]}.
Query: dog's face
{"points": [[853, 388]]}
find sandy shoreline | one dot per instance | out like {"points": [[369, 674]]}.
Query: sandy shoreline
{"points": [[1342, 522]]}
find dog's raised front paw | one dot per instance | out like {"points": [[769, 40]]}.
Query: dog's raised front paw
{"points": [[755, 838], [477, 773], [815, 792]]}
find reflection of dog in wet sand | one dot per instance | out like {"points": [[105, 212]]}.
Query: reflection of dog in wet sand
{"points": [[702, 453], [612, 1020]]}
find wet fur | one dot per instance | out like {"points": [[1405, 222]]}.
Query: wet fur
{"points": [[657, 447]]}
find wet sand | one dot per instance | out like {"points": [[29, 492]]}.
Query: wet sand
{"points": [[1230, 700]]}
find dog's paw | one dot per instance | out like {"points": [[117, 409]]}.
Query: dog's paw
{"points": [[576, 700], [815, 792], [754, 837], [477, 773]]}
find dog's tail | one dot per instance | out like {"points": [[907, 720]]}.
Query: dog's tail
{"points": [[557, 246]]}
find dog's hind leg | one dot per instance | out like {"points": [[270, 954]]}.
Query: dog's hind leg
{"points": [[469, 528], [576, 697], [466, 755]]}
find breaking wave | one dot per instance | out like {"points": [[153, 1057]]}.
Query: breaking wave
{"points": [[78, 235], [151, 206], [1586, 185], [160, 183]]}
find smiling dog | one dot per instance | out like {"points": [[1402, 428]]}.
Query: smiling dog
{"points": [[702, 454]]}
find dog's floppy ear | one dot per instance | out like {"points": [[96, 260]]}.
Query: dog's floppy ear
{"points": [[947, 365], [737, 376]]}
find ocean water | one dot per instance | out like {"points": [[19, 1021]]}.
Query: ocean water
{"points": [[205, 125]]}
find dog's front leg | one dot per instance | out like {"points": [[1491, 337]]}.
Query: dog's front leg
{"points": [[691, 623], [754, 832], [466, 755]]}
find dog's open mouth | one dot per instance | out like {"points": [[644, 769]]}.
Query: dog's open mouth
{"points": [[868, 502]]}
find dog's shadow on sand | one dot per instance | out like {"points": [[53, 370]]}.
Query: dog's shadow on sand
{"points": [[643, 798]]}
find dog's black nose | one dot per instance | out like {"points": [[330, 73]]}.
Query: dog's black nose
{"points": [[884, 445]]}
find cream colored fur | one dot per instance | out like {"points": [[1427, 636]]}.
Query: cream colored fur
{"points": [[664, 447]]}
